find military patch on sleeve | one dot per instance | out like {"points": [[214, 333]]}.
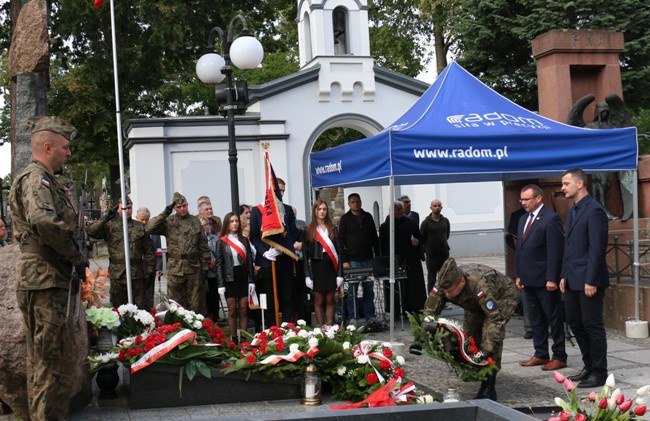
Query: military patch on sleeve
{"points": [[480, 294], [490, 305], [435, 290], [45, 182]]}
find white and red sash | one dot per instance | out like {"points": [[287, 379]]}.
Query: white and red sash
{"points": [[329, 248], [237, 247]]}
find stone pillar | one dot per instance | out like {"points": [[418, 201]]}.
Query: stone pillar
{"points": [[572, 64], [31, 96]]}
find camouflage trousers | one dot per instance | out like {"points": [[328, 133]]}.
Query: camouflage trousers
{"points": [[186, 290], [119, 294], [478, 327], [50, 345]]}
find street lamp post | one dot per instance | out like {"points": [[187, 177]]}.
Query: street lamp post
{"points": [[245, 52]]}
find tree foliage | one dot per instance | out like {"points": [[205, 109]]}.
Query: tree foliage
{"points": [[494, 41]]}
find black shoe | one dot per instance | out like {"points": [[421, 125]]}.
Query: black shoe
{"points": [[528, 335], [583, 374], [593, 380], [488, 388]]}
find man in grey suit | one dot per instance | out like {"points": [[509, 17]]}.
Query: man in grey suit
{"points": [[538, 266], [585, 277]]}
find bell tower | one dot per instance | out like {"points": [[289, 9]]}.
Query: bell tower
{"points": [[334, 35]]}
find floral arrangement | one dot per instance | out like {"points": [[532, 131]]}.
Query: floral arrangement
{"points": [[609, 404], [285, 351], [445, 340], [102, 317], [373, 364], [133, 321], [93, 290]]}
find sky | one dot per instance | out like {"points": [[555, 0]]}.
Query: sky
{"points": [[5, 150]]}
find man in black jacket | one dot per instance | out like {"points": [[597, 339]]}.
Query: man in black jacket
{"points": [[435, 231], [359, 245]]}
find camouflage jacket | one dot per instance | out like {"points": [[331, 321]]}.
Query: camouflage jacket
{"points": [[487, 292], [44, 223], [187, 246], [142, 255]]}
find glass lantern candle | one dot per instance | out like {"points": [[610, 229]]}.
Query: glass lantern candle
{"points": [[311, 386], [451, 395]]}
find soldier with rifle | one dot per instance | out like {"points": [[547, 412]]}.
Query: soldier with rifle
{"points": [[49, 269]]}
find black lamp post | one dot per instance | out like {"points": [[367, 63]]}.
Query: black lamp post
{"points": [[245, 52]]}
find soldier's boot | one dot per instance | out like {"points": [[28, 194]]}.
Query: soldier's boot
{"points": [[488, 388]]}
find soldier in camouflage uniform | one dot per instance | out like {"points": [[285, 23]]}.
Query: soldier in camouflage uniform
{"points": [[188, 255], [44, 222], [488, 297], [143, 259]]}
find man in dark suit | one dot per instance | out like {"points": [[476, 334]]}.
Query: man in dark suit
{"points": [[585, 277], [538, 266]]}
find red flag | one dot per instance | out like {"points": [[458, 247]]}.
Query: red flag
{"points": [[98, 3], [272, 210]]}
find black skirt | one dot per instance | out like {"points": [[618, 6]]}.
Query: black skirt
{"points": [[238, 288], [324, 274]]}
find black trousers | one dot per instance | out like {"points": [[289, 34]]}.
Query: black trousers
{"points": [[545, 313], [285, 279], [585, 316]]}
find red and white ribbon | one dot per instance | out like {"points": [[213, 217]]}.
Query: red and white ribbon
{"points": [[163, 349], [364, 349], [462, 338], [405, 393]]}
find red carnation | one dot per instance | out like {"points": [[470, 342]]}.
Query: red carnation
{"points": [[138, 340], [387, 352], [279, 345], [384, 365], [399, 373], [263, 346], [372, 378], [250, 359], [122, 355], [490, 360]]}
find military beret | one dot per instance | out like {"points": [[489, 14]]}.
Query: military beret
{"points": [[179, 199], [128, 200], [52, 124], [449, 274]]}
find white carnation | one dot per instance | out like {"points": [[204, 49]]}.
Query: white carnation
{"points": [[173, 308], [362, 359], [341, 371], [199, 317], [346, 345], [284, 324], [387, 345], [330, 334], [197, 324], [425, 399], [303, 334], [316, 331], [290, 334], [301, 322], [351, 328], [400, 360], [294, 347], [313, 342]]}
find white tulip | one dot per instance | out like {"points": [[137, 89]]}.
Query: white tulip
{"points": [[559, 402], [610, 381], [640, 400], [611, 404], [645, 390]]}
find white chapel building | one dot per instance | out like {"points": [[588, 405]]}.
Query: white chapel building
{"points": [[338, 85]]}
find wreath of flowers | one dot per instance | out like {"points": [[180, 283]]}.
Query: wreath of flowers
{"points": [[444, 340], [285, 351], [372, 364]]}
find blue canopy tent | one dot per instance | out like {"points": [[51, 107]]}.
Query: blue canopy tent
{"points": [[460, 130]]}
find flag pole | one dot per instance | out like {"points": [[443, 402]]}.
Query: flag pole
{"points": [[120, 150], [275, 294]]}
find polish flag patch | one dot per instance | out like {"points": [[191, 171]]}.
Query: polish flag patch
{"points": [[45, 182], [480, 294]]}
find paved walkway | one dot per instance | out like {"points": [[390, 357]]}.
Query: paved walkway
{"points": [[517, 387]]}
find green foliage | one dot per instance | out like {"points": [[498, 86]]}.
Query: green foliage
{"points": [[335, 137], [495, 41], [641, 120]]}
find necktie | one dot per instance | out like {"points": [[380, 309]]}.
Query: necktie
{"points": [[530, 222]]}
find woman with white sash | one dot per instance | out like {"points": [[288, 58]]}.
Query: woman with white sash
{"points": [[235, 272], [323, 269]]}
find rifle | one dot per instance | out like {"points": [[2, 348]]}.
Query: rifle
{"points": [[82, 242]]}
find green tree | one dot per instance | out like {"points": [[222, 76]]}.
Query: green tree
{"points": [[494, 41]]}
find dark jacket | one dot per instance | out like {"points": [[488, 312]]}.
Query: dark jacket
{"points": [[358, 242], [313, 250], [287, 239], [226, 265], [435, 235], [585, 247], [538, 257]]}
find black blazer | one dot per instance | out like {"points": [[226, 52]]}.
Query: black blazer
{"points": [[538, 257], [585, 247], [313, 250], [226, 263]]}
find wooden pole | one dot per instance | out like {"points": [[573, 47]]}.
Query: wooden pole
{"points": [[275, 294]]}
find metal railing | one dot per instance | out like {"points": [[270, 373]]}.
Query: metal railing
{"points": [[623, 266]]}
